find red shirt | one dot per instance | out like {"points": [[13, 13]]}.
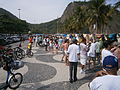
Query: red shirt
{"points": [[30, 40]]}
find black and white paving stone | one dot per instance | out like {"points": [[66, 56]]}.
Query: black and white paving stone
{"points": [[46, 73]]}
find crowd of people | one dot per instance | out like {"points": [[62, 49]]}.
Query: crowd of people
{"points": [[88, 50]]}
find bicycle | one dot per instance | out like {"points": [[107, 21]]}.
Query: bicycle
{"points": [[29, 53], [13, 80], [19, 53]]}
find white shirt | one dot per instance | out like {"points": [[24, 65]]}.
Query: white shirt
{"points": [[73, 51], [106, 53], [97, 47], [36, 39], [92, 50], [83, 49], [107, 82]]}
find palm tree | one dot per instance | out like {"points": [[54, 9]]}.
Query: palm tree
{"points": [[79, 18], [95, 15], [117, 5], [98, 15]]}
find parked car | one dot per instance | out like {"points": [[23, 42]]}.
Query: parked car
{"points": [[9, 40], [15, 38]]}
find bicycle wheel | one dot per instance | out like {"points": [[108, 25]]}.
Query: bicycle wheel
{"points": [[22, 53], [15, 81], [30, 54], [19, 55]]}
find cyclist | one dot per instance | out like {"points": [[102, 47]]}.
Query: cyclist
{"points": [[31, 39], [29, 47]]}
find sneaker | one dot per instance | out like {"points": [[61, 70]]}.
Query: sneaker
{"points": [[82, 71]]}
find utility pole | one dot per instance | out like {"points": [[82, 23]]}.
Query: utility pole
{"points": [[57, 25], [19, 13]]}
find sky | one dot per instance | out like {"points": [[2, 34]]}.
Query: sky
{"points": [[37, 11]]}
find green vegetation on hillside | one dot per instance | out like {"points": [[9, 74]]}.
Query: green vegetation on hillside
{"points": [[11, 25], [46, 28], [94, 16]]}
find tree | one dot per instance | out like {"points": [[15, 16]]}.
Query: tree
{"points": [[99, 15]]}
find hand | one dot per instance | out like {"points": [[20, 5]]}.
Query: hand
{"points": [[101, 73]]}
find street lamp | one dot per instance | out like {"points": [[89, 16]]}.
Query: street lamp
{"points": [[19, 13], [57, 25]]}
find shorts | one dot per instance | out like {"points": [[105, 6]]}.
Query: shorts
{"points": [[56, 47], [83, 59], [51, 47], [65, 52]]}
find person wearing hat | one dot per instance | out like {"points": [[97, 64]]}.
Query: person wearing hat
{"points": [[107, 79], [73, 57]]}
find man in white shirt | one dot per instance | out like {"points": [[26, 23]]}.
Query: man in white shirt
{"points": [[108, 79], [73, 54], [92, 53]]}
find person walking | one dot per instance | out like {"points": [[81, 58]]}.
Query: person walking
{"points": [[98, 51], [83, 55], [46, 42], [60, 41], [36, 40], [92, 53], [73, 55], [65, 46]]}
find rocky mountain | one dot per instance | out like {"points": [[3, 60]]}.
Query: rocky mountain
{"points": [[70, 10], [57, 25]]}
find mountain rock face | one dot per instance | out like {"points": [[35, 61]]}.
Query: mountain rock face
{"points": [[53, 26], [69, 11], [5, 12]]}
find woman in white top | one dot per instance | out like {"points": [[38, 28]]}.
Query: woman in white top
{"points": [[83, 54]]}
